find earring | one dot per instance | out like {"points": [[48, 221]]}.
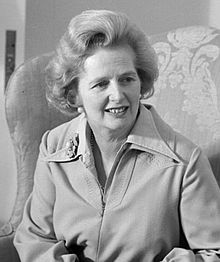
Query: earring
{"points": [[80, 109]]}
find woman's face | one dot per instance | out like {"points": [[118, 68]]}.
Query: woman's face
{"points": [[109, 90]]}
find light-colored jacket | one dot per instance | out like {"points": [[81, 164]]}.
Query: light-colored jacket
{"points": [[161, 202]]}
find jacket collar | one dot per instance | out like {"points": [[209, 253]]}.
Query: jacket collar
{"points": [[76, 143], [146, 136], [143, 136]]}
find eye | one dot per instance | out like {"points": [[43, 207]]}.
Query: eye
{"points": [[101, 84], [126, 79]]}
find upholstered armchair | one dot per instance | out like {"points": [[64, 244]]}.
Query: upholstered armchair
{"points": [[187, 96], [28, 116]]}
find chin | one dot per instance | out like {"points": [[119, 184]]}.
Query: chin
{"points": [[120, 126]]}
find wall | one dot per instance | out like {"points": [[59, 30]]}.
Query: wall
{"points": [[47, 20], [12, 17], [214, 11]]}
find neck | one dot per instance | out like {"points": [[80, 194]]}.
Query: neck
{"points": [[108, 144], [104, 150]]}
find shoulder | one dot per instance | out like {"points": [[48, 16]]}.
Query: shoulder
{"points": [[55, 139]]}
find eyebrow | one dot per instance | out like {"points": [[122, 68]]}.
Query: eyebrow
{"points": [[130, 73], [100, 79]]}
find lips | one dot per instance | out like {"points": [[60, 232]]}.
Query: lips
{"points": [[117, 110]]}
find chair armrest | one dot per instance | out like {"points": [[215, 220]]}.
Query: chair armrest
{"points": [[8, 253]]}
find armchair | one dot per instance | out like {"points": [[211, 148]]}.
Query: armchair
{"points": [[28, 116], [187, 96]]}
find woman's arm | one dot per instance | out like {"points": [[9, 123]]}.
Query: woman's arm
{"points": [[35, 239], [199, 213]]}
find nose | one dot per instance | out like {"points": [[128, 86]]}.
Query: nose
{"points": [[116, 92]]}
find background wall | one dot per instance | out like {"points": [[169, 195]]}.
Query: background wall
{"points": [[12, 17], [214, 11], [45, 21]]}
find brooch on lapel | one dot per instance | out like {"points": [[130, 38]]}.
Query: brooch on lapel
{"points": [[72, 146]]}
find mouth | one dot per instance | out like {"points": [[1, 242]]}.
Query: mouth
{"points": [[117, 110]]}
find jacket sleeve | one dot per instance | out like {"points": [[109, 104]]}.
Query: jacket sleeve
{"points": [[199, 213], [35, 239]]}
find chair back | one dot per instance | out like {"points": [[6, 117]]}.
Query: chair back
{"points": [[28, 116], [187, 92]]}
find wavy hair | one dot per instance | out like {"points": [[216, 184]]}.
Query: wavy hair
{"points": [[85, 33]]}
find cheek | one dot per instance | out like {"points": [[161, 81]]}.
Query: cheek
{"points": [[93, 103], [135, 92]]}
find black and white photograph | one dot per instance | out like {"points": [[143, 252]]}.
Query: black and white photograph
{"points": [[110, 131]]}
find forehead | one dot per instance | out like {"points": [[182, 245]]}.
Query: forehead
{"points": [[109, 61]]}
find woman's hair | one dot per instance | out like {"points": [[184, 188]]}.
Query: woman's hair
{"points": [[86, 32]]}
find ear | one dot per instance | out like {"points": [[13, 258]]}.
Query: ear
{"points": [[79, 103], [74, 98], [78, 100]]}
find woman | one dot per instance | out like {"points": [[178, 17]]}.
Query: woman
{"points": [[116, 183]]}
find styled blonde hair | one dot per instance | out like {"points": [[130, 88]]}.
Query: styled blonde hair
{"points": [[85, 33]]}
